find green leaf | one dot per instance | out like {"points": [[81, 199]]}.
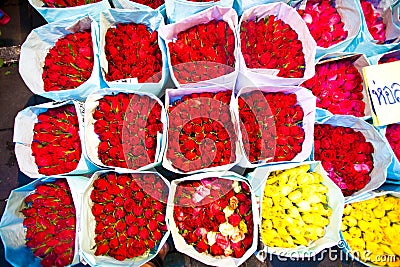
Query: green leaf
{"points": [[7, 72], [1, 62]]}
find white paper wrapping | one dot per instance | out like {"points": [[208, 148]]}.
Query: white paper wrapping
{"points": [[153, 20], [170, 97], [189, 250], [37, 45], [335, 201], [258, 77], [127, 4], [88, 225], [92, 140], [51, 14], [178, 10], [381, 155], [307, 102], [169, 34], [13, 232]]}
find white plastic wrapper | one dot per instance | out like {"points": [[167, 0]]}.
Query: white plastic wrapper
{"points": [[128, 4], [370, 195], [178, 10], [169, 34], [260, 77], [88, 224], [359, 61], [51, 14], [153, 20], [13, 232], [92, 140], [189, 250], [381, 155], [23, 137], [335, 201], [37, 45], [351, 18], [307, 102], [174, 94]]}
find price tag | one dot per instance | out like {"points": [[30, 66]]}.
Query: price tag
{"points": [[383, 88]]}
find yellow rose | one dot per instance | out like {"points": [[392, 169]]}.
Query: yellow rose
{"points": [[228, 211], [295, 196], [233, 202]]}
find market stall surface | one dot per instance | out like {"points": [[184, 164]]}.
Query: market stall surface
{"points": [[15, 96]]}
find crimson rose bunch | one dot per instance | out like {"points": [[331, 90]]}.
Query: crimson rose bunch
{"points": [[201, 133], [374, 21], [207, 51], [50, 223], [129, 210], [154, 4], [214, 215], [338, 87], [324, 22], [127, 126], [67, 3], [393, 137], [270, 43], [132, 51], [271, 125], [69, 63], [345, 155], [56, 144]]}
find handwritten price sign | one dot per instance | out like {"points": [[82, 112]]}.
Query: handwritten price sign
{"points": [[383, 88]]}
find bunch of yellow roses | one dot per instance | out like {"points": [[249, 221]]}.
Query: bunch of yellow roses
{"points": [[295, 208]]}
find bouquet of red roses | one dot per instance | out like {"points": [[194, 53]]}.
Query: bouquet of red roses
{"points": [[39, 225], [352, 152], [202, 131], [123, 219], [125, 130], [132, 56], [276, 47], [333, 24], [211, 217], [276, 124], [202, 48], [48, 140], [64, 64], [338, 85]]}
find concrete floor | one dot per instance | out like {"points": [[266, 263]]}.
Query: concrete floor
{"points": [[14, 96]]}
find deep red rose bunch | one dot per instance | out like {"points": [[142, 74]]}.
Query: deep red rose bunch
{"points": [[271, 125], [345, 155], [324, 22], [387, 60], [132, 51], [67, 3], [203, 52], [69, 63], [56, 144], [393, 137], [374, 21], [201, 133], [129, 210], [270, 43], [338, 87], [50, 223], [127, 126], [154, 4], [214, 215]]}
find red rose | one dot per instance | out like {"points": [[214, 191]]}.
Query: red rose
{"points": [[153, 225], [202, 246], [216, 250], [132, 231], [144, 233], [234, 219]]}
